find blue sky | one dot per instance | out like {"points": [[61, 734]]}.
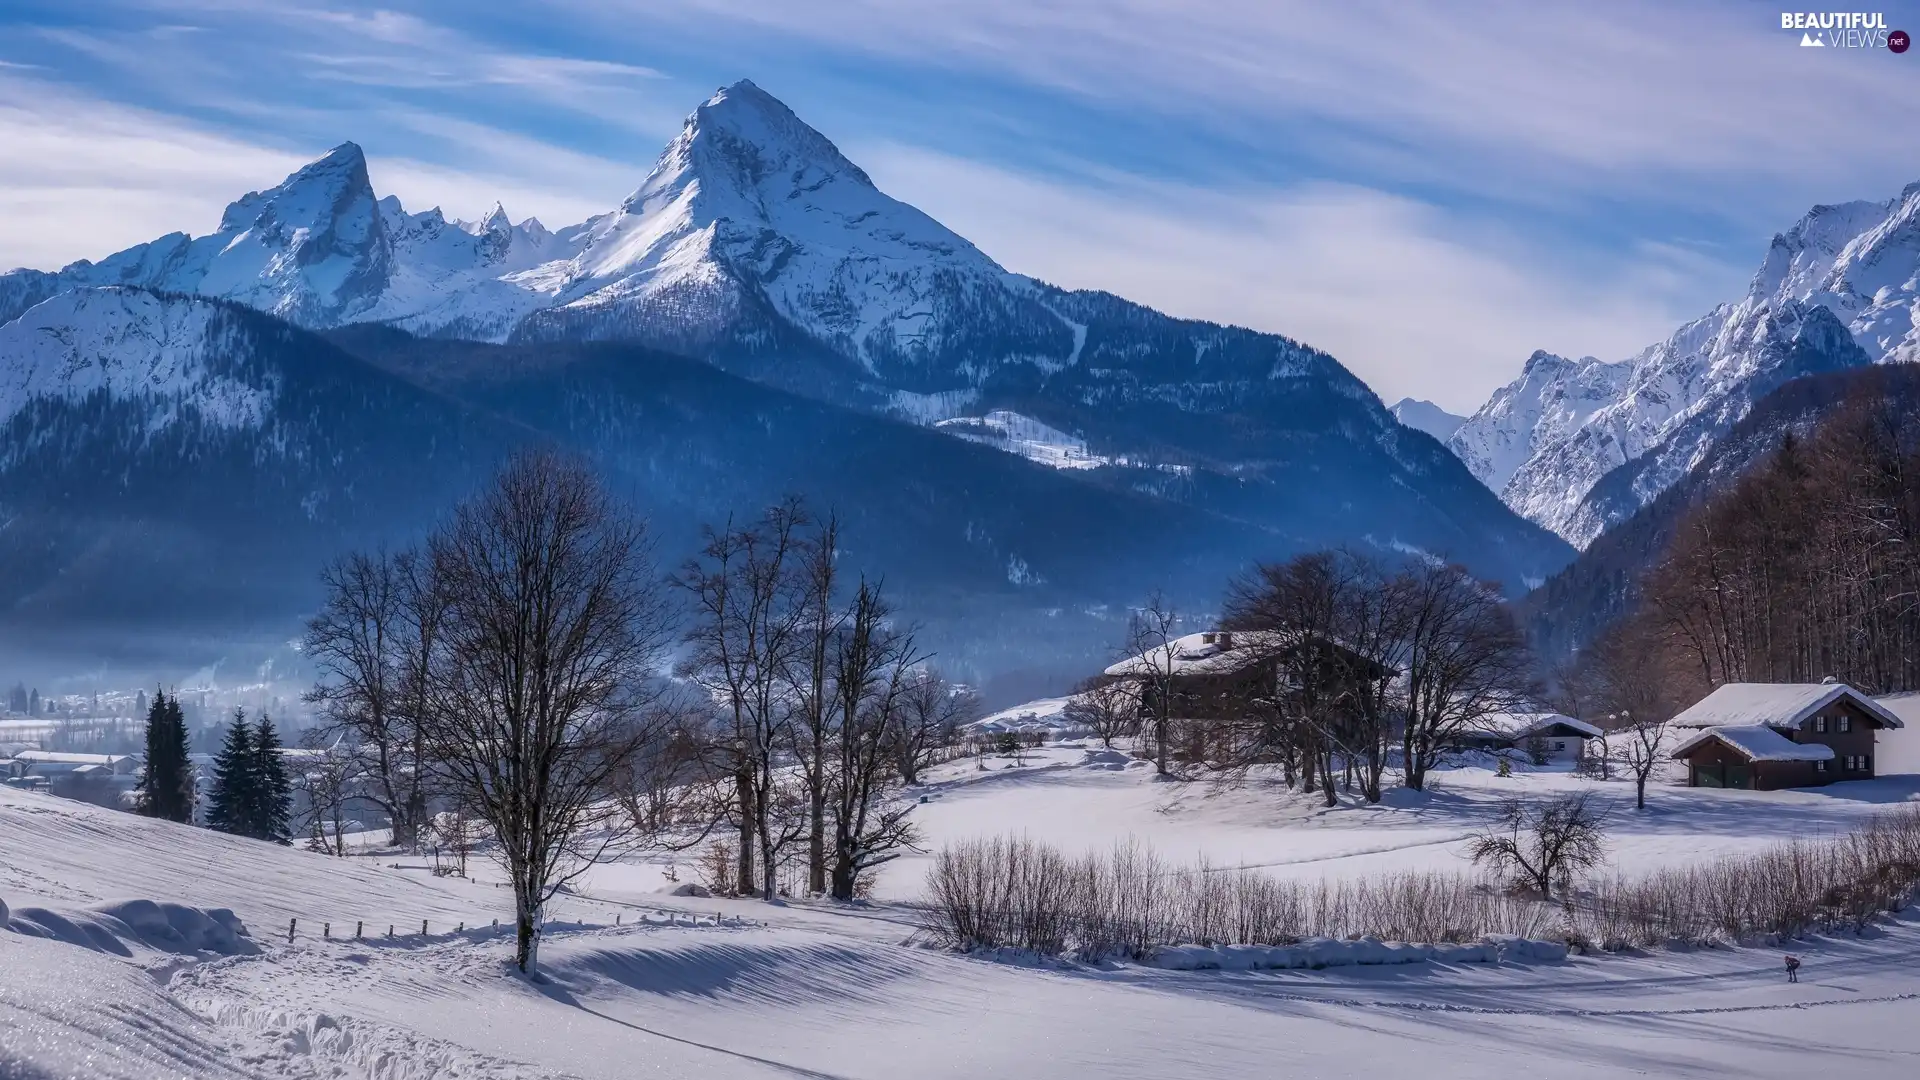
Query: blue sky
{"points": [[1429, 192]]}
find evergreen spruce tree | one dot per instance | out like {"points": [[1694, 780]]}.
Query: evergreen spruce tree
{"points": [[167, 791], [188, 796], [231, 805], [272, 788]]}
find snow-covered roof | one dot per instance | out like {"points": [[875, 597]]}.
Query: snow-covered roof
{"points": [[1208, 653], [1779, 704], [1520, 725], [57, 757], [1757, 742]]}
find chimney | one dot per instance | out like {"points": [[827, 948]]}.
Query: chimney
{"points": [[1225, 638]]}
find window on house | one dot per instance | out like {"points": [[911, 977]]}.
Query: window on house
{"points": [[1819, 766], [1866, 762], [1820, 724], [1845, 723]]}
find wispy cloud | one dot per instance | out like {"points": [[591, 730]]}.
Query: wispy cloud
{"points": [[1427, 191], [1589, 96], [402, 50], [281, 52], [1389, 285], [85, 177]]}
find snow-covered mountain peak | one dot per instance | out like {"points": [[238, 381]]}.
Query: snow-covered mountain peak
{"points": [[748, 215], [1838, 288], [334, 188], [744, 145], [750, 209], [1428, 417], [1543, 364]]}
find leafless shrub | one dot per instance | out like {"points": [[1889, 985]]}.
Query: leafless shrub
{"points": [[718, 868], [1017, 893], [1543, 843], [1793, 889]]}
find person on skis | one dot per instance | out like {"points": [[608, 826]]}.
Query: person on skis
{"points": [[1793, 969]]}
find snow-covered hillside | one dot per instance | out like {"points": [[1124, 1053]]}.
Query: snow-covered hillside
{"points": [[1545, 440], [1023, 435], [128, 345], [848, 993]]}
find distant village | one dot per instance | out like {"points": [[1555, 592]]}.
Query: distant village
{"points": [[90, 746]]}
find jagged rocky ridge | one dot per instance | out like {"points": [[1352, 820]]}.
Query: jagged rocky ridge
{"points": [[1579, 445], [755, 247], [1602, 584]]}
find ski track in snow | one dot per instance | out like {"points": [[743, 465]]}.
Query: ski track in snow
{"points": [[681, 998]]}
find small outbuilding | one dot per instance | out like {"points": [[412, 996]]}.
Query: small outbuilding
{"points": [[1544, 736], [1766, 736]]}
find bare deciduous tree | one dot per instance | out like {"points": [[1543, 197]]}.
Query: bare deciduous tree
{"points": [[871, 663], [750, 634], [1625, 678], [1642, 746], [1545, 842], [823, 619], [327, 778], [1305, 604], [360, 642], [1153, 635], [669, 790], [927, 720], [540, 681], [1107, 708], [1465, 661]]}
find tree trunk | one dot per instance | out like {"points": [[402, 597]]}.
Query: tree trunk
{"points": [[416, 795], [817, 836], [768, 871], [1416, 765], [1640, 793], [745, 883], [526, 946], [843, 878]]}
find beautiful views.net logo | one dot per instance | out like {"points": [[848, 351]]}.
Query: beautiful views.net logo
{"points": [[1845, 30]]}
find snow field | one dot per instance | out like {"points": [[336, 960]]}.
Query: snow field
{"points": [[850, 993]]}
